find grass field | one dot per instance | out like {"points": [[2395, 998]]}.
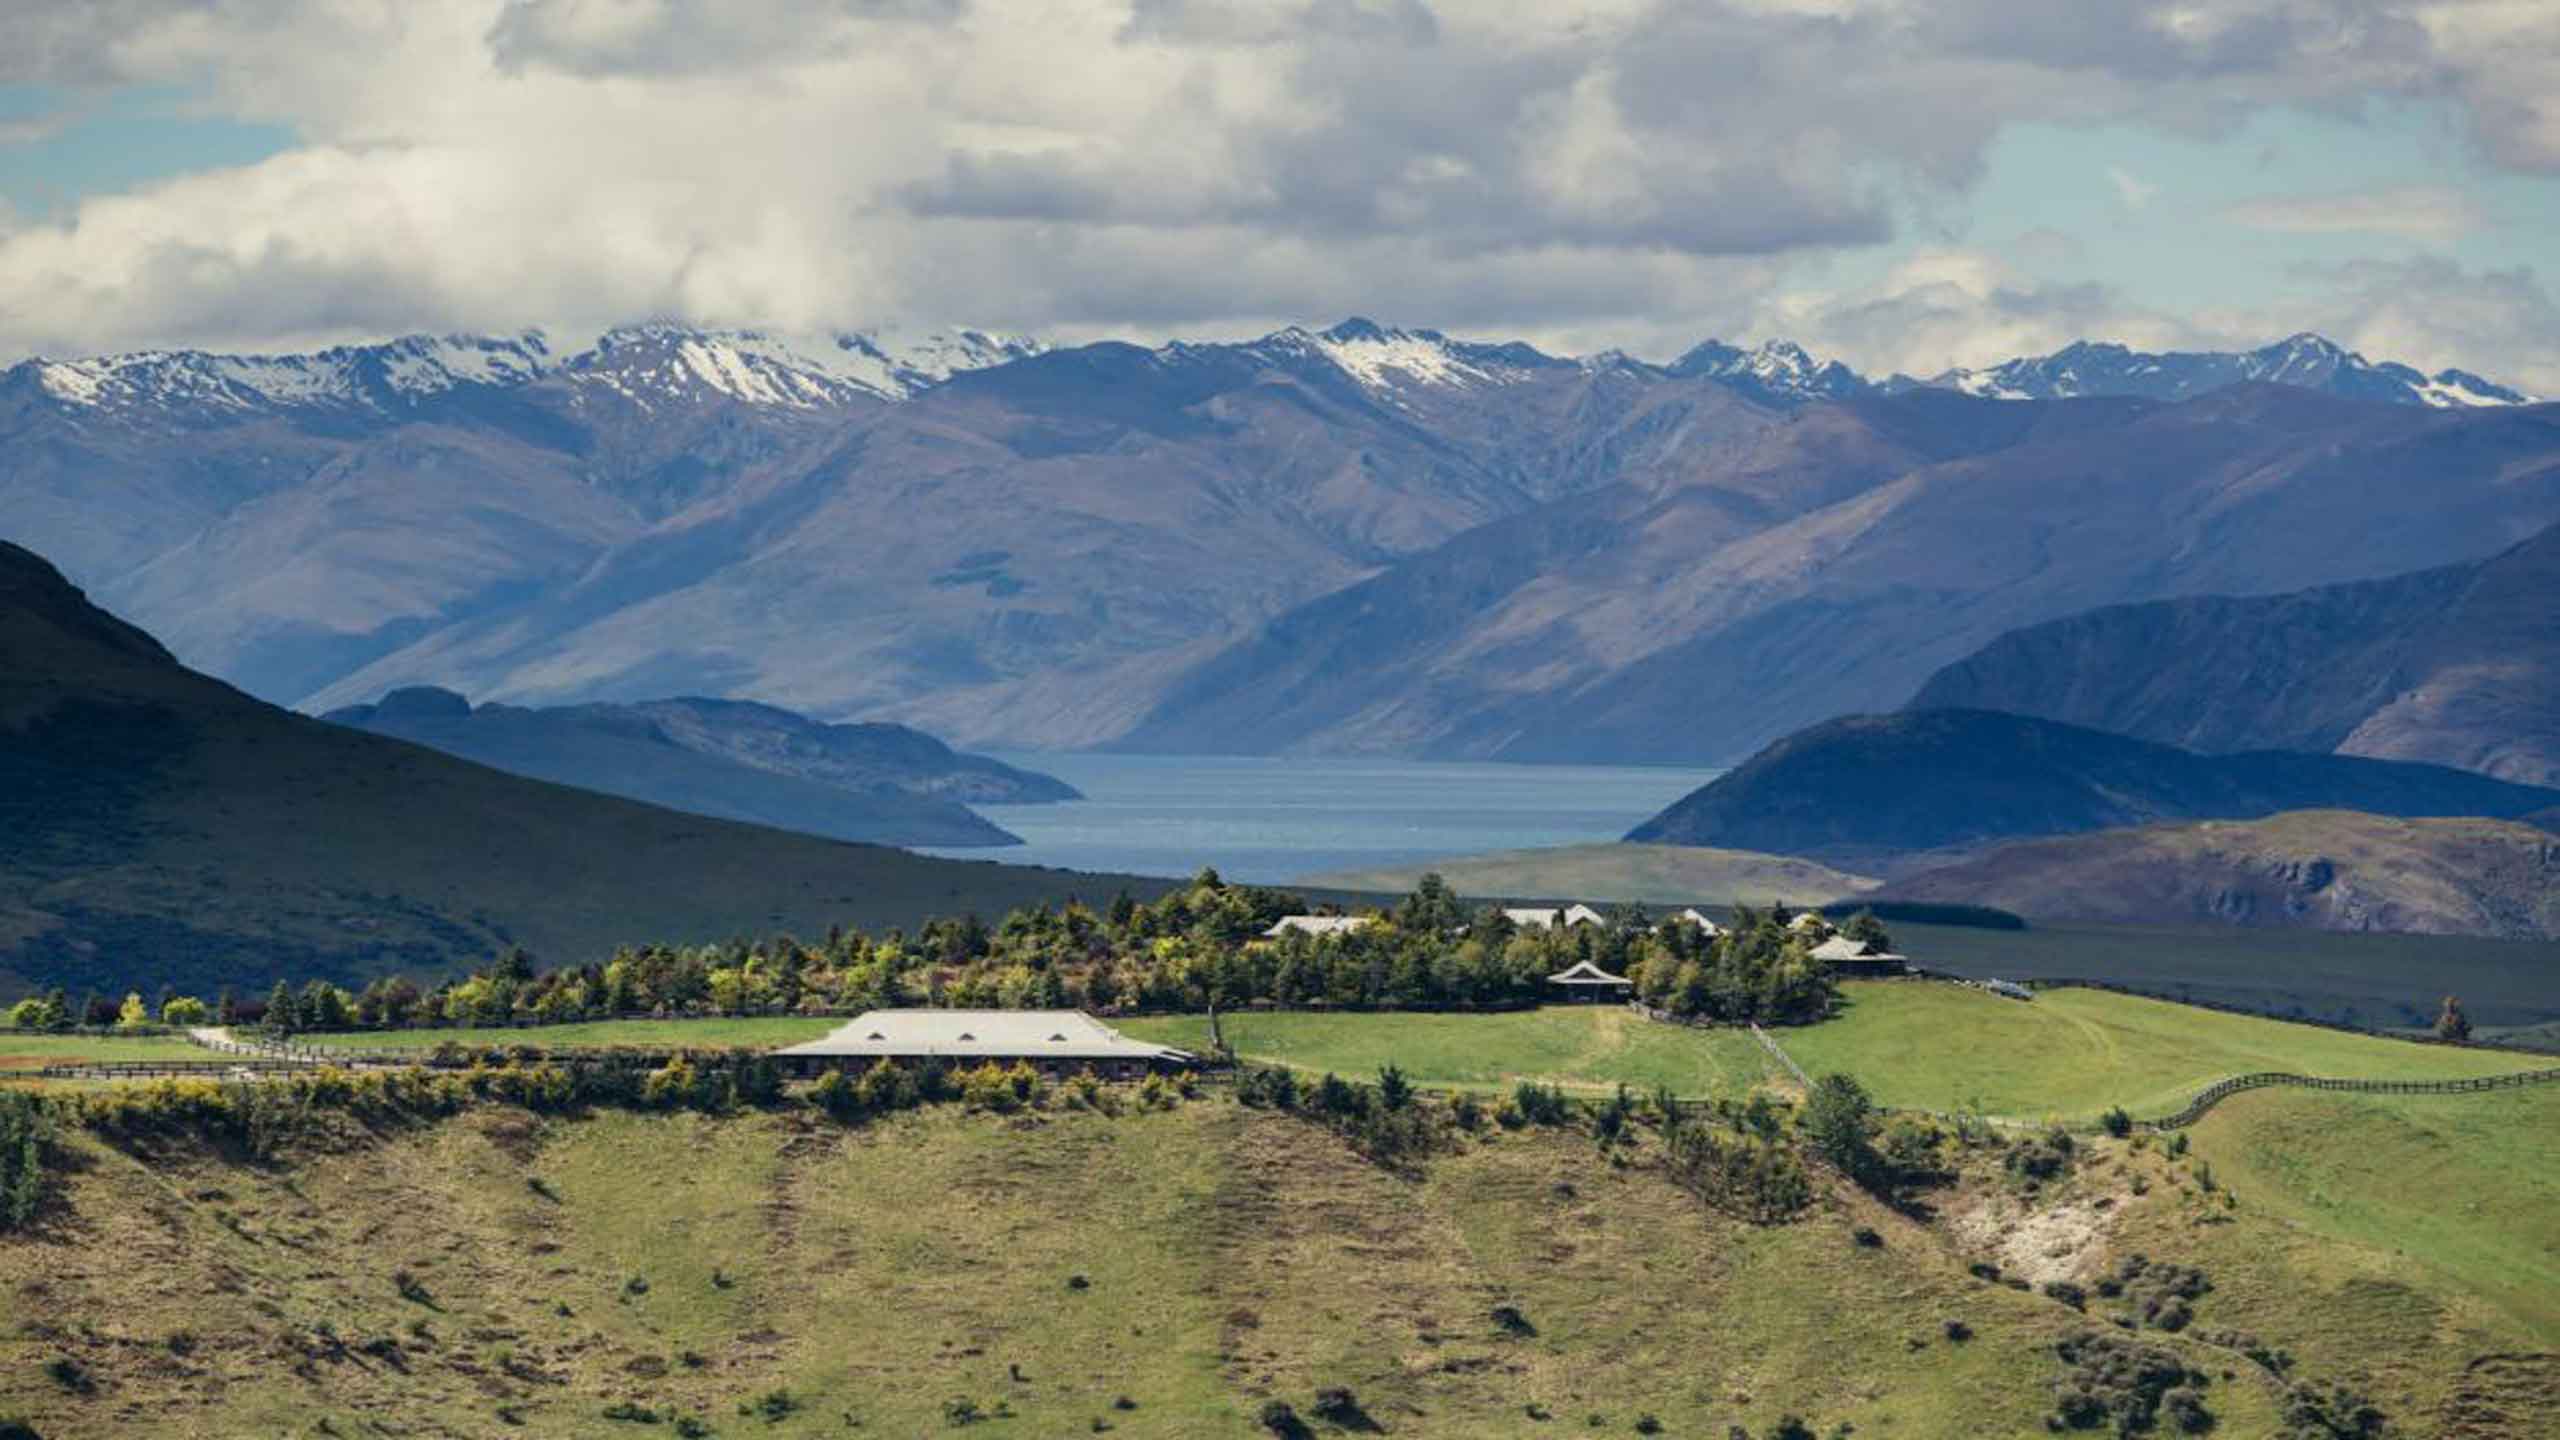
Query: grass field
{"points": [[1589, 1048], [698, 1266], [29, 1052], [2467, 1186], [2067, 1055], [760, 1031], [2073, 1053]]}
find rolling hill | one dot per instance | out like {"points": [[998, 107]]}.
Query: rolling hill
{"points": [[157, 826], [2317, 869], [2458, 665], [884, 784], [1890, 789]]}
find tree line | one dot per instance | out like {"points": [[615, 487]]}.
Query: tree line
{"points": [[1196, 947]]}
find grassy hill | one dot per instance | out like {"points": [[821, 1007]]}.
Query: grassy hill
{"points": [[2319, 869], [157, 826], [1167, 1274], [1648, 874]]}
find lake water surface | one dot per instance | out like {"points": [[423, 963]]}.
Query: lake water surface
{"points": [[1274, 819]]}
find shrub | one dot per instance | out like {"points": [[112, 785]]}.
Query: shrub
{"points": [[70, 1374], [14, 1428], [773, 1406], [1648, 1424], [2116, 1122], [26, 1138], [2120, 1381], [1512, 1322], [1277, 1417], [1958, 1331], [961, 1410], [1542, 1104], [2068, 1293], [631, 1411], [1466, 1111], [1791, 1427], [1867, 1238], [1394, 1091], [693, 1427], [1337, 1405]]}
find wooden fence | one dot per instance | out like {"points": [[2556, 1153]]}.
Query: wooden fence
{"points": [[2222, 1090]]}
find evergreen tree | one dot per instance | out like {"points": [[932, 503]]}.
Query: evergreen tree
{"points": [[2451, 1023], [281, 1015]]}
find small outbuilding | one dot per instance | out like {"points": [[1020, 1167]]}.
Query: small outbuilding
{"points": [[1586, 981], [1529, 918], [1318, 925], [1844, 956], [1057, 1042], [1809, 920], [1694, 916]]}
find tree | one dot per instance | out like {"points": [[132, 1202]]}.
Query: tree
{"points": [[281, 1017], [2452, 1024], [183, 1010], [1394, 1090], [133, 1014], [1840, 1120], [1869, 931]]}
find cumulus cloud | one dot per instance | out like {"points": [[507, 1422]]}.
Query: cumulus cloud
{"points": [[2414, 212], [1597, 172]]}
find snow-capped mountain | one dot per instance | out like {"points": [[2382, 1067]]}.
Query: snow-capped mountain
{"points": [[648, 365], [2306, 360], [1778, 371], [1386, 360], [405, 369]]}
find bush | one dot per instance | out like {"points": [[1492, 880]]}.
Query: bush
{"points": [[1867, 1238], [1791, 1427], [1512, 1322], [1466, 1111], [1542, 1104], [2123, 1382], [773, 1406], [1338, 1406], [1958, 1331], [2068, 1293], [961, 1410], [1277, 1417], [2116, 1122], [26, 1139], [1648, 1424]]}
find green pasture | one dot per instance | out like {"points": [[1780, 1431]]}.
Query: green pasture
{"points": [[755, 1031]]}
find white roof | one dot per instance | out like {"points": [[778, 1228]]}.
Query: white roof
{"points": [[1807, 920], [1319, 924], [1583, 972], [1698, 918], [1532, 918], [1841, 947], [982, 1034]]}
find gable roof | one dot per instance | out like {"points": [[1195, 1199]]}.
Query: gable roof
{"points": [[1539, 917], [982, 1034], [1841, 947], [1583, 972], [1696, 917]]}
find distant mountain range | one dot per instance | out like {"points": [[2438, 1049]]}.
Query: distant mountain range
{"points": [[2458, 665], [884, 784], [1354, 539], [1872, 792], [157, 826]]}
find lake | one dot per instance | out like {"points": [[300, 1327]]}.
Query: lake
{"points": [[1270, 820]]}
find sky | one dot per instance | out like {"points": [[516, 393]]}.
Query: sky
{"points": [[1906, 184]]}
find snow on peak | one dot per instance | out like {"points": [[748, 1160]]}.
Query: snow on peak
{"points": [[411, 366], [1385, 359], [788, 371]]}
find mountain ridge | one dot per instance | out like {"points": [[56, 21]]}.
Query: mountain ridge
{"points": [[2458, 665], [1865, 791]]}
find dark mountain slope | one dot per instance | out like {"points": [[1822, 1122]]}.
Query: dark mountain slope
{"points": [[2315, 869], [626, 751], [157, 826], [1894, 786], [2455, 666]]}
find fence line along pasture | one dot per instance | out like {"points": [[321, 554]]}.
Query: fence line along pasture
{"points": [[2222, 1090]]}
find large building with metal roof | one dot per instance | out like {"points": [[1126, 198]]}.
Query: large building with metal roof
{"points": [[1056, 1041]]}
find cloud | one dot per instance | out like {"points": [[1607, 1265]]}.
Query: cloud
{"points": [[2417, 212], [2132, 191], [1603, 171]]}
